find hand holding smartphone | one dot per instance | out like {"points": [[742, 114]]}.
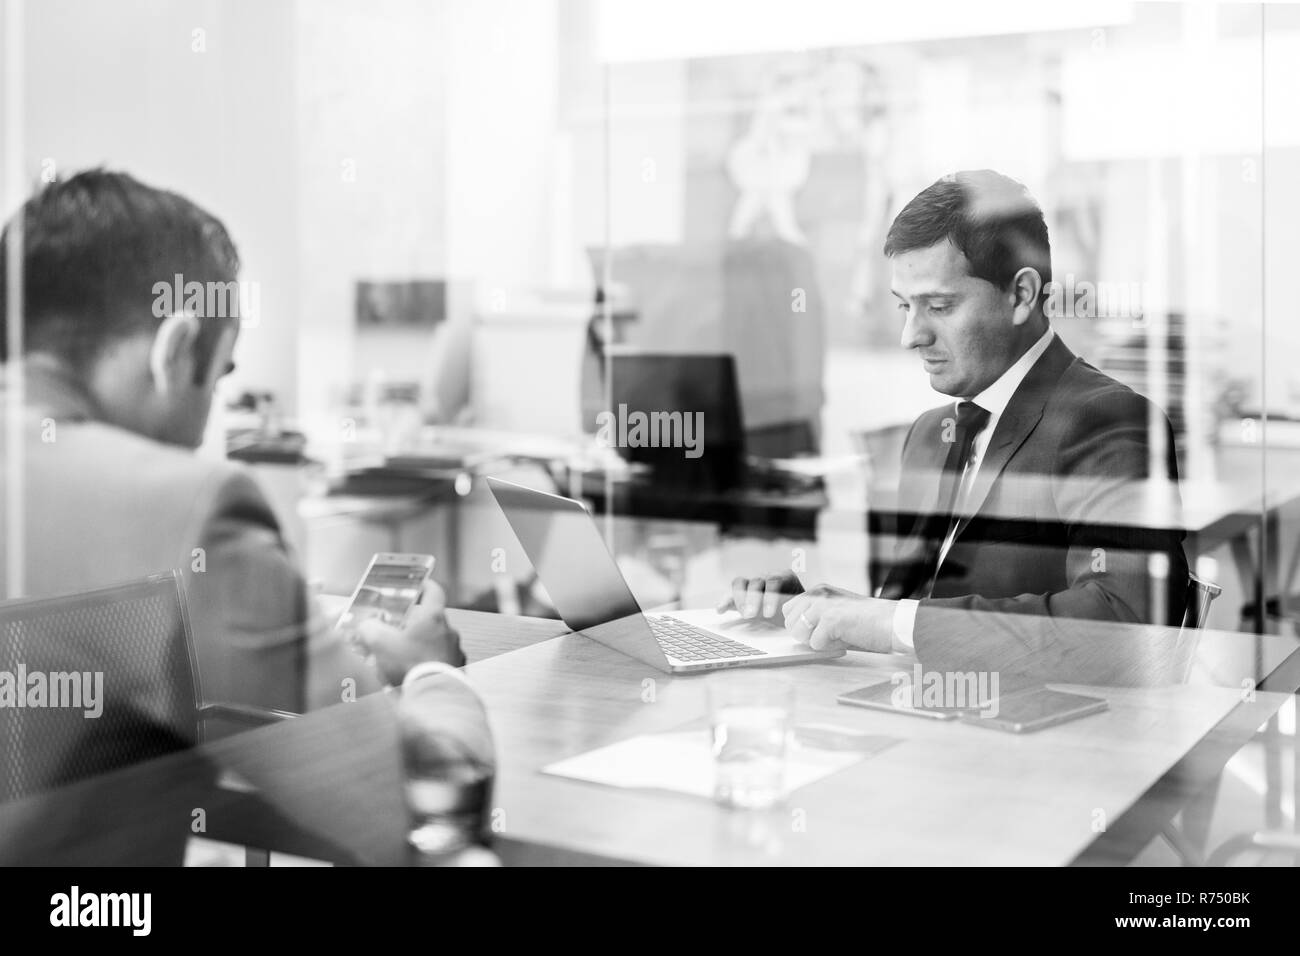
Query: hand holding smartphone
{"points": [[388, 590], [384, 624]]}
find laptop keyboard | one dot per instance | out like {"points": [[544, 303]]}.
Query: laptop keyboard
{"points": [[688, 643]]}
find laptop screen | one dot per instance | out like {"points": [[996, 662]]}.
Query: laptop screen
{"points": [[564, 544]]}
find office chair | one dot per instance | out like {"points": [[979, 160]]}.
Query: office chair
{"points": [[137, 637], [1200, 595]]}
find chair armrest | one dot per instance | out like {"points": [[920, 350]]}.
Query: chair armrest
{"points": [[243, 713]]}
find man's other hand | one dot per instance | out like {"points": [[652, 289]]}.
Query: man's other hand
{"points": [[425, 636], [828, 618], [761, 597]]}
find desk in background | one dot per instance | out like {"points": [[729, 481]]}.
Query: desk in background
{"points": [[752, 512], [1233, 513]]}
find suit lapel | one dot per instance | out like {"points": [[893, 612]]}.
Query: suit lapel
{"points": [[1019, 419], [918, 494], [922, 471]]}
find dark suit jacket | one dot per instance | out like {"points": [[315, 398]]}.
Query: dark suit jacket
{"points": [[1073, 508], [105, 506]]}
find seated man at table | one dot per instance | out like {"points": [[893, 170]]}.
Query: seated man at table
{"points": [[1044, 489], [116, 398]]}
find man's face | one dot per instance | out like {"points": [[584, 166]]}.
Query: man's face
{"points": [[962, 327]]}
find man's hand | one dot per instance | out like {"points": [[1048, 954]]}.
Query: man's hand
{"points": [[761, 597], [426, 636], [830, 618]]}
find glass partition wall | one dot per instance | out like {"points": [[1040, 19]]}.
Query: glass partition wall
{"points": [[632, 252], [737, 169]]}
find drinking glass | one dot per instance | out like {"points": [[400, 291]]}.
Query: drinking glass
{"points": [[750, 720]]}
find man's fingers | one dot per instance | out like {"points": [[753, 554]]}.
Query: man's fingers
{"points": [[772, 596], [792, 608], [433, 613], [432, 595], [753, 598], [369, 633], [824, 636], [801, 619], [728, 602], [738, 586]]}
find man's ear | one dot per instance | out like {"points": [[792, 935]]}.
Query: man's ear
{"points": [[1026, 289], [171, 356]]}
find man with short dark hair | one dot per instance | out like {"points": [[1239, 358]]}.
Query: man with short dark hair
{"points": [[1031, 492], [116, 396]]}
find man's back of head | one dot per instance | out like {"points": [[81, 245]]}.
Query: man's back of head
{"points": [[95, 251]]}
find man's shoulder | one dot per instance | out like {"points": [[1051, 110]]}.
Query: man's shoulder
{"points": [[1086, 393], [116, 459]]}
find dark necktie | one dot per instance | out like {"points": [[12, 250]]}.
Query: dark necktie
{"points": [[971, 420]]}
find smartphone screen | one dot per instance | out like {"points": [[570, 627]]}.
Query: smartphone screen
{"points": [[390, 587]]}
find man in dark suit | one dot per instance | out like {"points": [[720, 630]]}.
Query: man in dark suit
{"points": [[1044, 488]]}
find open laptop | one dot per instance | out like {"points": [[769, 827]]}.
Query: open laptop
{"points": [[584, 582]]}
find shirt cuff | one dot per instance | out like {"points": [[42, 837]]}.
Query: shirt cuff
{"points": [[904, 622], [425, 668]]}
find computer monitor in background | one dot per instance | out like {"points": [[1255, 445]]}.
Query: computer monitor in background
{"points": [[678, 414], [731, 296]]}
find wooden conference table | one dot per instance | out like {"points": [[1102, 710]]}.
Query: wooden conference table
{"points": [[1093, 791], [945, 794]]}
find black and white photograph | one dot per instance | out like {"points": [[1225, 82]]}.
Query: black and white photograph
{"points": [[517, 434]]}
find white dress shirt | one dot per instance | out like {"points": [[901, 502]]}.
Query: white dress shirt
{"points": [[993, 400]]}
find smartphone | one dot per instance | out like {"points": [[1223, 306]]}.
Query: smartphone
{"points": [[1029, 710], [388, 589], [898, 699]]}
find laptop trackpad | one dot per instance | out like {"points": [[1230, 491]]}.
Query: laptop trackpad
{"points": [[771, 638]]}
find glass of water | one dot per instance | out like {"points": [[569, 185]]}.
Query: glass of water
{"points": [[750, 720], [450, 761]]}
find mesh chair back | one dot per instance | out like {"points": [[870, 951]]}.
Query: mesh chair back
{"points": [[122, 650]]}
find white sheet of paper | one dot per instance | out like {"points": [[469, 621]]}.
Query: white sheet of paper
{"points": [[683, 762]]}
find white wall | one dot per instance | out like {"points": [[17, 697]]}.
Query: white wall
{"points": [[427, 151], [500, 142], [371, 178], [130, 85]]}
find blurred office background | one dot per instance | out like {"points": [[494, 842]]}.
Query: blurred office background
{"points": [[456, 212], [449, 208]]}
